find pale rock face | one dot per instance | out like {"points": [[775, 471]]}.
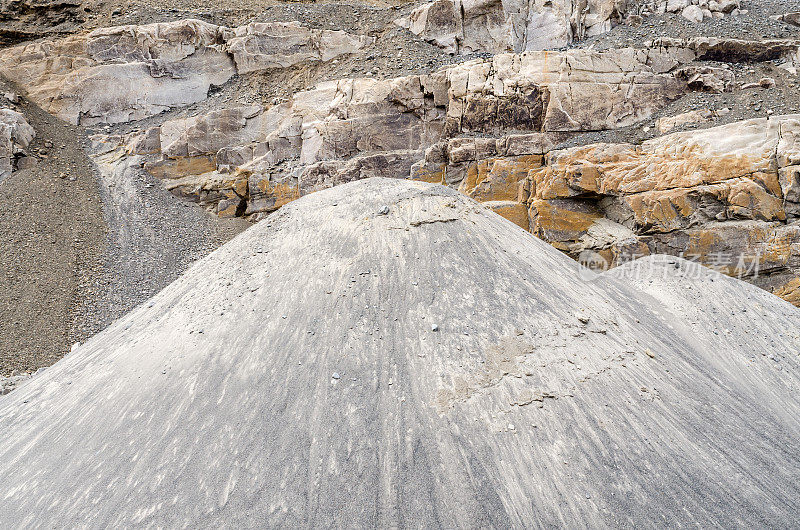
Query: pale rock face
{"points": [[495, 26], [15, 135], [355, 128], [667, 124], [120, 74], [259, 46], [676, 194], [127, 73]]}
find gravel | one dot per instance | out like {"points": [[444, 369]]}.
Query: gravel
{"points": [[80, 249], [51, 249]]}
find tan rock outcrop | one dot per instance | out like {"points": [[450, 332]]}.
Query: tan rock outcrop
{"points": [[668, 123], [724, 196], [127, 73], [355, 128], [261, 45], [120, 74], [511, 210], [490, 128], [495, 26]]}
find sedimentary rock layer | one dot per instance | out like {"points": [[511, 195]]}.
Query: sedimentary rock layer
{"points": [[126, 73], [495, 26], [250, 160], [726, 196]]}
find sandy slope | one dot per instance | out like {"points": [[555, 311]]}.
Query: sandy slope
{"points": [[436, 365]]}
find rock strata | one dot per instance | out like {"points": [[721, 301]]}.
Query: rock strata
{"points": [[250, 160], [494, 26], [725, 196], [125, 73]]}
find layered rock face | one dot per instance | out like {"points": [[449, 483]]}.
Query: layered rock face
{"points": [[15, 135], [496, 26], [125, 73], [725, 196], [490, 128], [251, 160]]}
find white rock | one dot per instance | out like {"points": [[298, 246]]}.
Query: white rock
{"points": [[15, 135], [692, 13], [126, 73], [674, 6]]}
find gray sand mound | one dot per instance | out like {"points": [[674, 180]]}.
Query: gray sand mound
{"points": [[337, 365]]}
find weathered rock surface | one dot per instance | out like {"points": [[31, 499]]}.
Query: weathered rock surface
{"points": [[496, 26], [668, 123], [29, 19], [250, 160], [126, 73], [260, 45], [725, 196], [339, 340], [730, 50], [486, 127], [15, 135]]}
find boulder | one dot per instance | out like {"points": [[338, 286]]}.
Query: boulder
{"points": [[15, 135], [792, 18], [692, 13]]}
